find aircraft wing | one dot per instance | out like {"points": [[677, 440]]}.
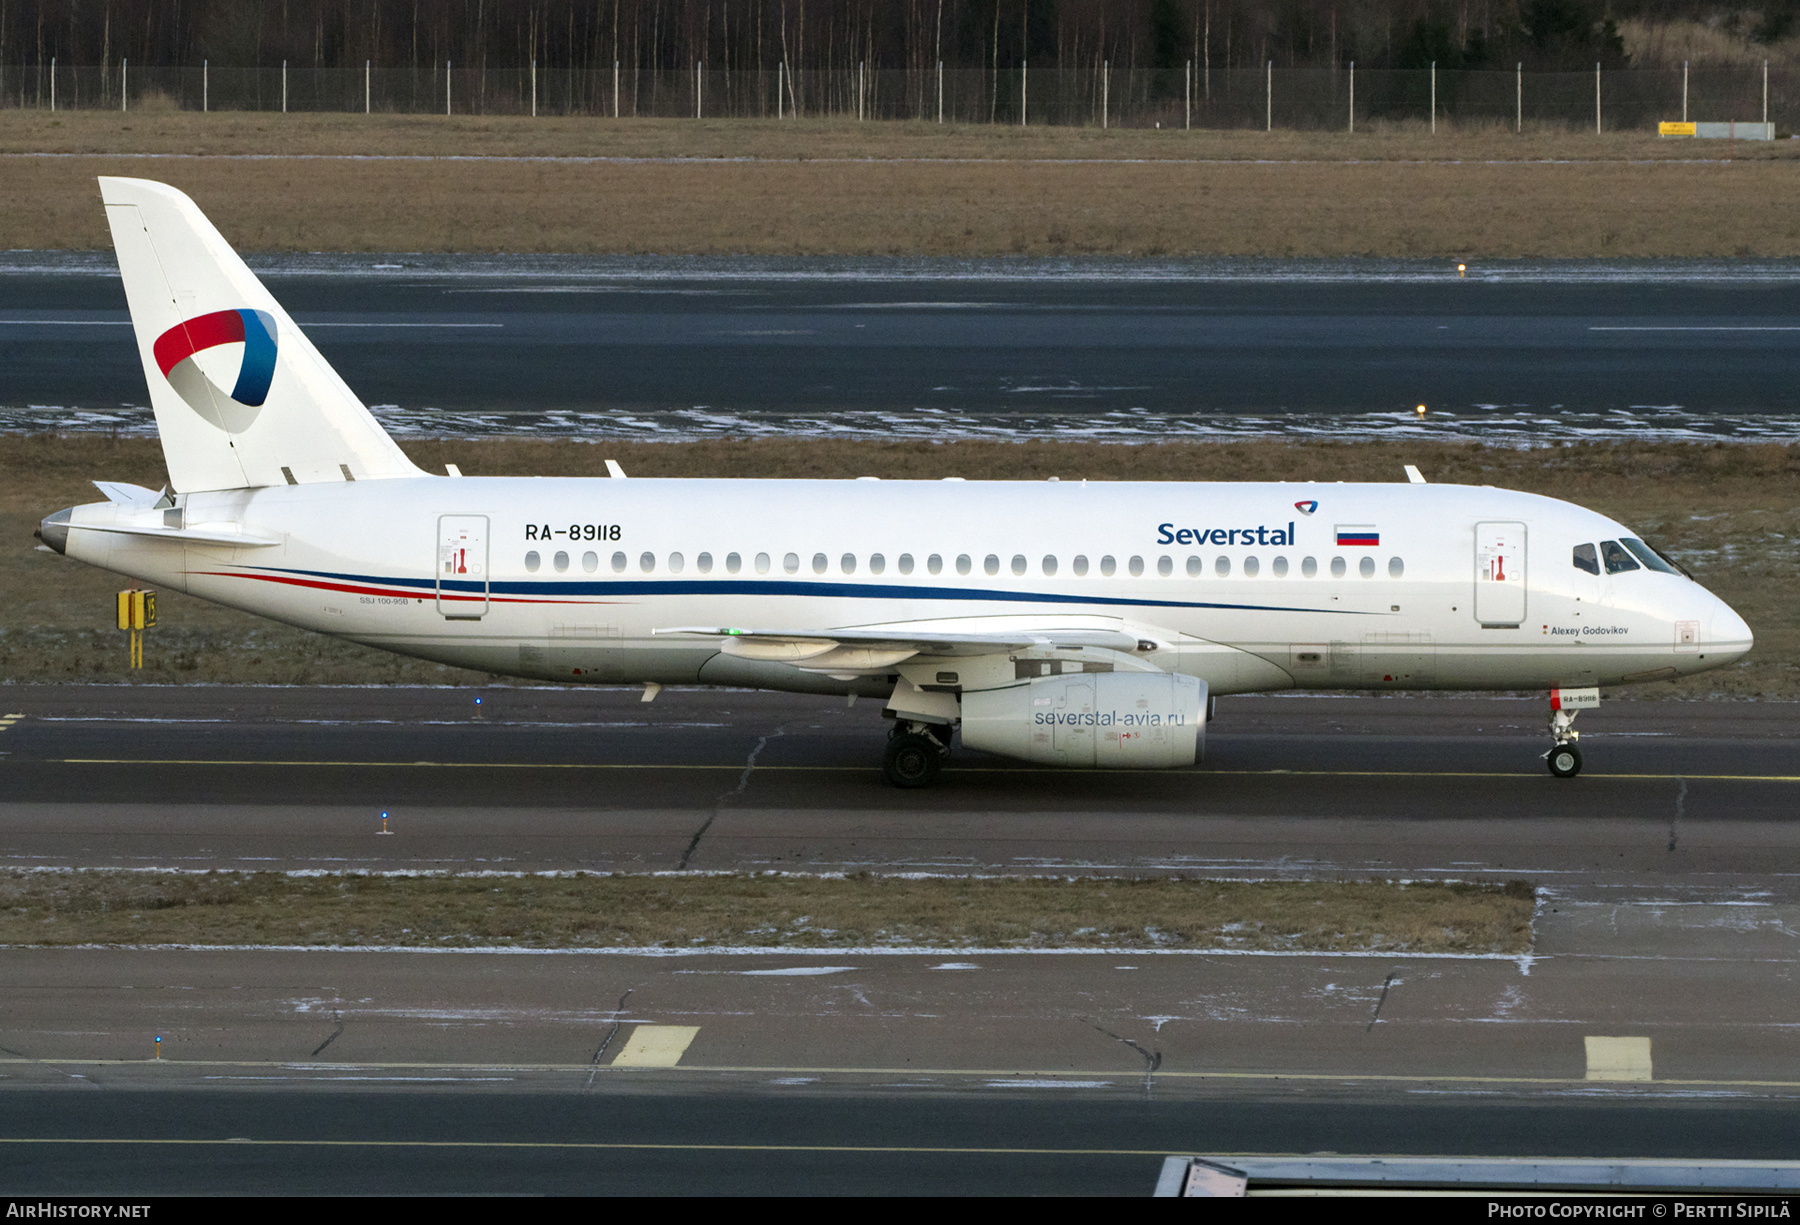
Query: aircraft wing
{"points": [[883, 646]]}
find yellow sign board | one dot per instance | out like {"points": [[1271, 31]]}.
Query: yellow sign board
{"points": [[137, 613], [1676, 129]]}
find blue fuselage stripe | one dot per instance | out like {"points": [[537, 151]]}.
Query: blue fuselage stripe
{"points": [[616, 588]]}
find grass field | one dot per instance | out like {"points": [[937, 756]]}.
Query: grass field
{"points": [[1731, 513], [798, 912], [830, 187]]}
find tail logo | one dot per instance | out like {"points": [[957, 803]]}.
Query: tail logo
{"points": [[178, 350]]}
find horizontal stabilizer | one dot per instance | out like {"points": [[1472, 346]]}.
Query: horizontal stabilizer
{"points": [[222, 533]]}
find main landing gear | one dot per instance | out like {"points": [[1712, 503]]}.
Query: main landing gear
{"points": [[1564, 759], [915, 754]]}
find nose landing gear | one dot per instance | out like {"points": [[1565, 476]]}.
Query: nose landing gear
{"points": [[1564, 759]]}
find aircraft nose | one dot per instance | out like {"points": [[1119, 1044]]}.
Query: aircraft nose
{"points": [[54, 530], [1728, 634]]}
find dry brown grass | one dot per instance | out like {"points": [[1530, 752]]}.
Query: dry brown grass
{"points": [[799, 912], [1730, 512], [1396, 192]]}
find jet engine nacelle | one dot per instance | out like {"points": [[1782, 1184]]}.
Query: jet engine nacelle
{"points": [[1140, 720]]}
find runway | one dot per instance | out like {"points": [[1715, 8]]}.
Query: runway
{"points": [[766, 340], [1666, 917]]}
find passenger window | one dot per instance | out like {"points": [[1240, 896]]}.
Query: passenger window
{"points": [[1338, 567], [963, 564], [1650, 557], [1279, 567], [906, 563], [618, 563], [1165, 565], [1049, 566], [647, 562], [1079, 565], [1251, 566], [561, 562], [1108, 565], [847, 563], [762, 563], [1396, 567], [934, 564], [1366, 567], [1222, 567], [1309, 566], [1618, 561], [703, 563], [1018, 564], [590, 562], [1194, 567], [991, 564], [877, 563], [1136, 566], [821, 563], [675, 563], [791, 563], [533, 561], [1587, 557], [733, 563]]}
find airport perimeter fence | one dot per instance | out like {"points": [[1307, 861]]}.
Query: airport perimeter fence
{"points": [[1193, 96]]}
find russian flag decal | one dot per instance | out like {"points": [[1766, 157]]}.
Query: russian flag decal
{"points": [[1357, 536]]}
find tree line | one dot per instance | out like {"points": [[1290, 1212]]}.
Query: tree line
{"points": [[826, 34]]}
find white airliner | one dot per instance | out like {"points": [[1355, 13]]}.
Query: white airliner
{"points": [[1075, 623]]}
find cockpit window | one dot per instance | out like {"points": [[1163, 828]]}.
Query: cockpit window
{"points": [[1649, 556], [1587, 558], [1618, 561]]}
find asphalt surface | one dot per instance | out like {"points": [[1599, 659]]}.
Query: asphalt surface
{"points": [[1667, 917], [530, 341]]}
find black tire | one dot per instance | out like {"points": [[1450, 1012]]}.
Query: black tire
{"points": [[912, 760], [1564, 761]]}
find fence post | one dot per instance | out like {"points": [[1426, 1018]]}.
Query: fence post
{"points": [[53, 85], [1596, 99], [1519, 100], [1187, 98], [1105, 88], [1353, 97], [284, 87], [1269, 97], [205, 88], [780, 84], [1765, 91], [615, 89], [534, 89], [1025, 97], [446, 87], [124, 84], [697, 88], [1684, 79], [367, 91], [1434, 97], [940, 91]]}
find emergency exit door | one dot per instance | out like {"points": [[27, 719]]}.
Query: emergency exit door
{"points": [[462, 566], [1500, 574]]}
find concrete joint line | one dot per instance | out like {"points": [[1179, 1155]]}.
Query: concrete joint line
{"points": [[335, 1034], [619, 1011], [1152, 1059], [1386, 986]]}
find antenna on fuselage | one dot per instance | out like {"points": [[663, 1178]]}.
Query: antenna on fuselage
{"points": [[1414, 476]]}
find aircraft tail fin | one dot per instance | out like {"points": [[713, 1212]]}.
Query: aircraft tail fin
{"points": [[241, 396]]}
